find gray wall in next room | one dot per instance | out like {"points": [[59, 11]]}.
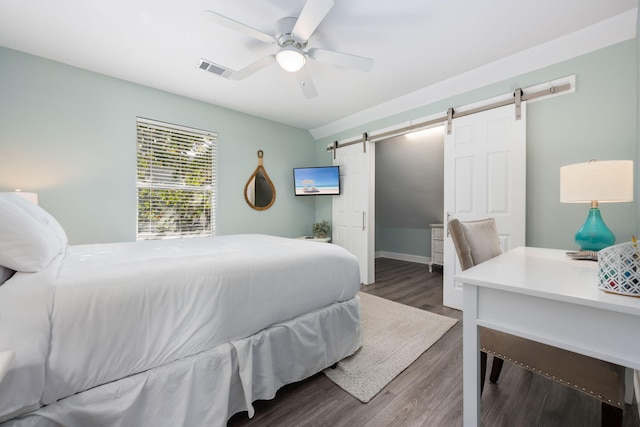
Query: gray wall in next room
{"points": [[409, 192]]}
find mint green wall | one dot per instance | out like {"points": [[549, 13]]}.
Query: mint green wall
{"points": [[637, 181], [69, 134], [598, 121]]}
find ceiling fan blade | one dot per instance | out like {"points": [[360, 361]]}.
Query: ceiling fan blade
{"points": [[343, 59], [306, 84], [237, 26], [253, 68], [312, 14]]}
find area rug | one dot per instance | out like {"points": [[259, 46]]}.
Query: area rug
{"points": [[394, 335]]}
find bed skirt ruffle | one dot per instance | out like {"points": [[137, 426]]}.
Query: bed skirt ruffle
{"points": [[209, 387]]}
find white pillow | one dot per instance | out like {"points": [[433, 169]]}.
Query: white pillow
{"points": [[40, 215], [5, 274], [29, 236]]}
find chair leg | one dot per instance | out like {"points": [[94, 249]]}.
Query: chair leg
{"points": [[611, 416], [496, 368], [483, 369]]}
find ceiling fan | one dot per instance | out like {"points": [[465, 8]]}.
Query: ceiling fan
{"points": [[291, 35]]}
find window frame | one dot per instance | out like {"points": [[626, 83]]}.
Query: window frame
{"points": [[176, 178]]}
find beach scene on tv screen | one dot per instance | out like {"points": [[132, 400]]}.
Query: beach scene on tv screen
{"points": [[310, 181]]}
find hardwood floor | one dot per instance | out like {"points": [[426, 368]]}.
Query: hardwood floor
{"points": [[429, 392]]}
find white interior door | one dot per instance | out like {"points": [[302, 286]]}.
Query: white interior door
{"points": [[353, 212], [484, 176]]}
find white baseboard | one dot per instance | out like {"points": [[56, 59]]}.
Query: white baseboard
{"points": [[403, 257]]}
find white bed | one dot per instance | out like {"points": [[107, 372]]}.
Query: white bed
{"points": [[173, 332]]}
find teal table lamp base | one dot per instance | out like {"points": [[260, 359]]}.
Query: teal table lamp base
{"points": [[594, 234]]}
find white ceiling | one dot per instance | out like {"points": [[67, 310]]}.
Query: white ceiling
{"points": [[415, 44]]}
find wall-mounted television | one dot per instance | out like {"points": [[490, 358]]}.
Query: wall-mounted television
{"points": [[317, 181]]}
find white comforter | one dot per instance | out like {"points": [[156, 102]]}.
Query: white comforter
{"points": [[119, 309]]}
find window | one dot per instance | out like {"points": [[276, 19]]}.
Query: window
{"points": [[176, 181]]}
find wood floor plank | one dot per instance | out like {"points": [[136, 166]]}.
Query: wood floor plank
{"points": [[355, 413], [423, 385], [429, 392]]}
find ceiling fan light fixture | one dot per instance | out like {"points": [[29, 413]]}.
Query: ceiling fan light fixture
{"points": [[290, 59]]}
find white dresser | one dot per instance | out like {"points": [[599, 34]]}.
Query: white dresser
{"points": [[437, 246]]}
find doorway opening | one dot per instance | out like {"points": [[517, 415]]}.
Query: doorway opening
{"points": [[409, 194]]}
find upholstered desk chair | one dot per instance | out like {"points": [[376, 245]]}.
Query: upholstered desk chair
{"points": [[478, 241]]}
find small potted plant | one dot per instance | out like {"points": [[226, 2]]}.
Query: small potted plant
{"points": [[320, 229]]}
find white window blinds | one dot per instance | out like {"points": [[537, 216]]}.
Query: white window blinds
{"points": [[176, 180]]}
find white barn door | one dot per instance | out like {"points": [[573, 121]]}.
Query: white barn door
{"points": [[484, 176], [353, 209]]}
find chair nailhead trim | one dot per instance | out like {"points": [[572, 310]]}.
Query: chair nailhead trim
{"points": [[560, 380]]}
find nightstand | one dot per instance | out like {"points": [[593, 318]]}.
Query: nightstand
{"points": [[315, 239]]}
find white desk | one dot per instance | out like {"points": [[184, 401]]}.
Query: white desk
{"points": [[543, 295]]}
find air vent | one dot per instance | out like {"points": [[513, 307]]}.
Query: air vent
{"points": [[214, 68]]}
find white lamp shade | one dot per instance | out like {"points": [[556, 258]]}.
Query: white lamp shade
{"points": [[290, 59], [601, 181]]}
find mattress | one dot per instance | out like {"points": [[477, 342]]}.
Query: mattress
{"points": [[106, 312]]}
